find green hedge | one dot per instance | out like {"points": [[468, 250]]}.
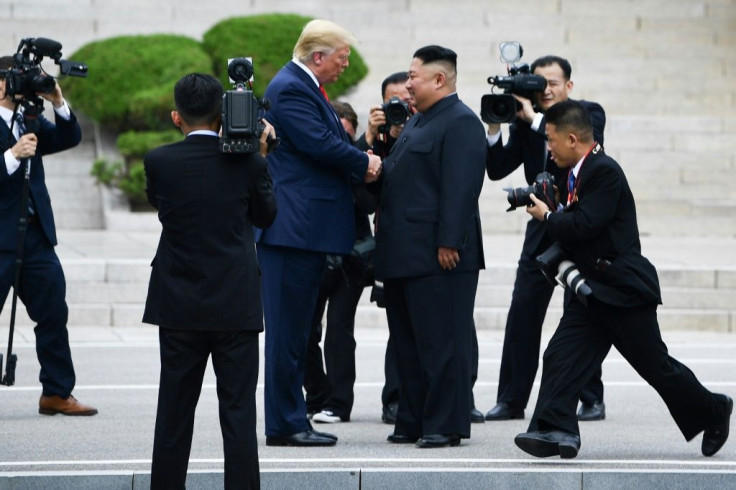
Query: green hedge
{"points": [[269, 39], [130, 85], [131, 79]]}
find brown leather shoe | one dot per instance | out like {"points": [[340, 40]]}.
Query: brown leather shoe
{"points": [[51, 405]]}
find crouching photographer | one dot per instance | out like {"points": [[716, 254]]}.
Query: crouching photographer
{"points": [[28, 261], [599, 230], [526, 146]]}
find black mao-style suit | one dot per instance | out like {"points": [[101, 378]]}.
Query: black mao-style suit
{"points": [[42, 284], [429, 198], [205, 294], [532, 292], [599, 232]]}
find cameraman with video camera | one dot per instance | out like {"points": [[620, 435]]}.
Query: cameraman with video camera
{"points": [[532, 292], [41, 285]]}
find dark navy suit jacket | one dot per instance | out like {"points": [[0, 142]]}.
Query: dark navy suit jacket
{"points": [[51, 139], [312, 168]]}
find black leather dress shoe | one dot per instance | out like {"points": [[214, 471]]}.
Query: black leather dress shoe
{"points": [[322, 434], [596, 411], [715, 437], [388, 414], [301, 439], [401, 439], [476, 416], [438, 440], [545, 443], [502, 411]]}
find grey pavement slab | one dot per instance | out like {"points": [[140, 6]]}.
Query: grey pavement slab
{"points": [[637, 446]]}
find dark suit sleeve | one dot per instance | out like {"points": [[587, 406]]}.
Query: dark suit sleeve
{"points": [[592, 215], [461, 179], [598, 119], [148, 167], [302, 123], [262, 200], [53, 138], [502, 159]]}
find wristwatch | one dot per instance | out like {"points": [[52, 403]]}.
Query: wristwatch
{"points": [[546, 215]]}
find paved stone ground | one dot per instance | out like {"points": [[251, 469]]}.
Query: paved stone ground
{"points": [[118, 373]]}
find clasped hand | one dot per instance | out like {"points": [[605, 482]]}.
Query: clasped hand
{"points": [[374, 167]]}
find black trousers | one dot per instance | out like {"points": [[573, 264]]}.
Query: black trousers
{"points": [[431, 321], [43, 291], [184, 355], [522, 339], [390, 391], [581, 342], [331, 387]]}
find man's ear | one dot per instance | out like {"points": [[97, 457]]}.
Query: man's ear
{"points": [[176, 118], [572, 139], [440, 79]]}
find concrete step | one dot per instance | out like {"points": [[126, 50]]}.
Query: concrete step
{"points": [[112, 293]]}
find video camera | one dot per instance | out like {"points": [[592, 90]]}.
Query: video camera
{"points": [[559, 269], [542, 188], [26, 78], [501, 108], [396, 111], [242, 113]]}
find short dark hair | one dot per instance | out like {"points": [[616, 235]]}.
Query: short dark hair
{"points": [[398, 77], [429, 54], [551, 60], [345, 111], [198, 98], [571, 115]]}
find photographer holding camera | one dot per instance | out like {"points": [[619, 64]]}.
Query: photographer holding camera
{"points": [[532, 292], [599, 232], [42, 286]]}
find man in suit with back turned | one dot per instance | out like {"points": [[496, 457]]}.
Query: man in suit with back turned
{"points": [[205, 292], [429, 252], [312, 169], [598, 232]]}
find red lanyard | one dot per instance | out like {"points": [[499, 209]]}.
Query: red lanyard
{"points": [[572, 190]]}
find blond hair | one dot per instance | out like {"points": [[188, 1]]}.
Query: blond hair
{"points": [[321, 36]]}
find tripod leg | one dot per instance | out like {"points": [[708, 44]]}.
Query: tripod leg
{"points": [[9, 378]]}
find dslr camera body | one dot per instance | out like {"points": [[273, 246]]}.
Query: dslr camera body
{"points": [[542, 188], [26, 78], [242, 112], [396, 111], [502, 108]]}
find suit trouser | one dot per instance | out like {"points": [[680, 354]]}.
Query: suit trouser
{"points": [[43, 291], [581, 342], [184, 355], [431, 320], [332, 388], [290, 283], [522, 339], [390, 391]]}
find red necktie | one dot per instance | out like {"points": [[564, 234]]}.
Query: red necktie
{"points": [[322, 89]]}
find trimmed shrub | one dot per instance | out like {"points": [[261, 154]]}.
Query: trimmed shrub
{"points": [[270, 40], [131, 79]]}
